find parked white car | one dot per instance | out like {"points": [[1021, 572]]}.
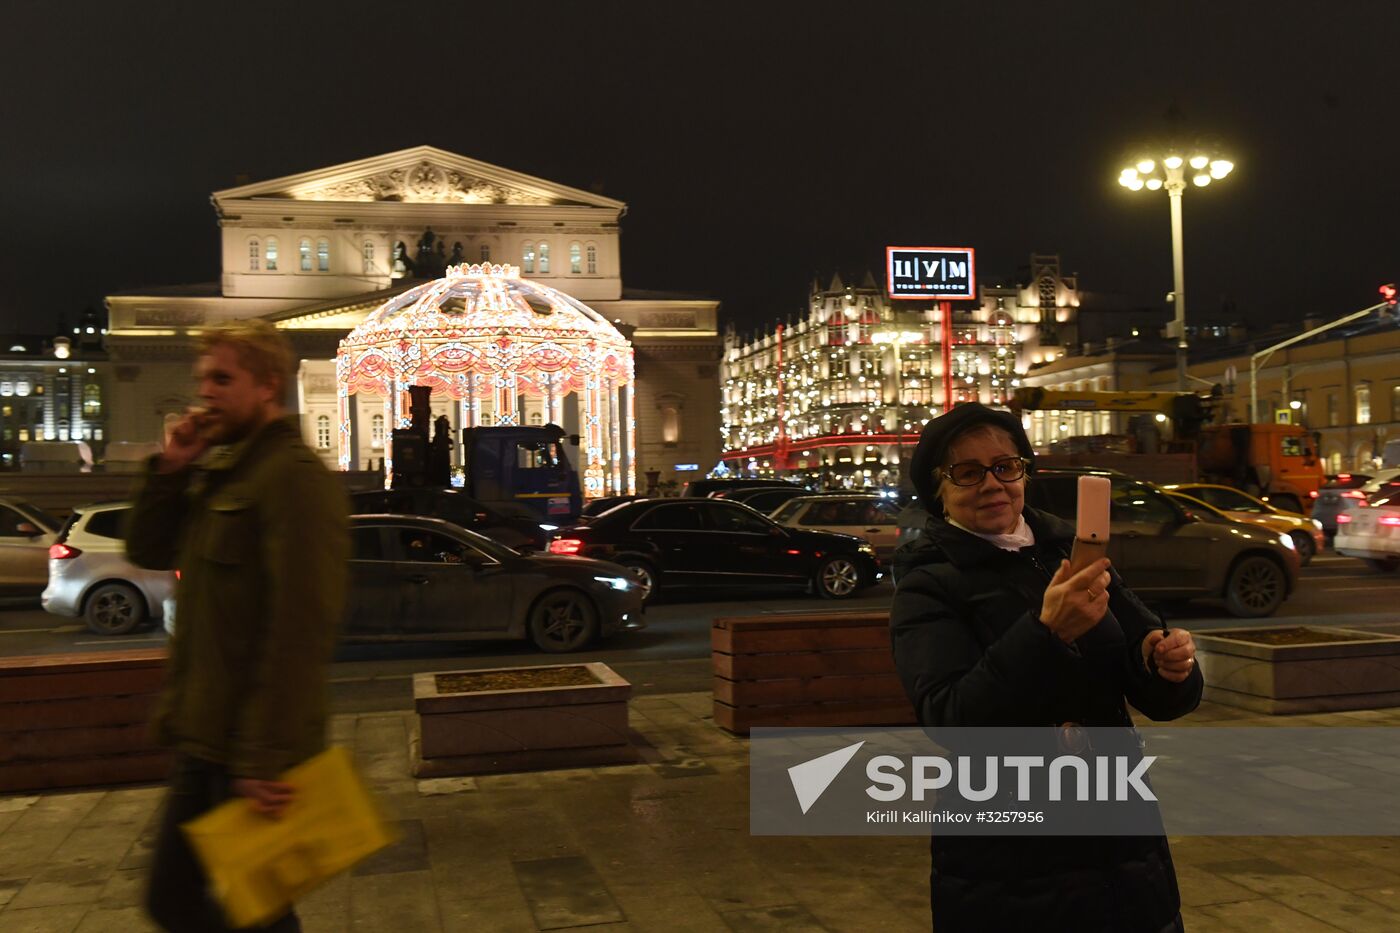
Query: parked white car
{"points": [[1372, 532], [865, 515], [90, 576]]}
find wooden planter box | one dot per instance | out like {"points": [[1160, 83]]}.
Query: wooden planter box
{"points": [[1300, 669], [489, 721], [72, 720], [823, 669]]}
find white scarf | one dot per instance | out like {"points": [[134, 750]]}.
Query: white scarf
{"points": [[1021, 537]]}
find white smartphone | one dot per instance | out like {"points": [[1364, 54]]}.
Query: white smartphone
{"points": [[1091, 531]]}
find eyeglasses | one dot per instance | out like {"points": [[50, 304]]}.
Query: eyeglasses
{"points": [[972, 473]]}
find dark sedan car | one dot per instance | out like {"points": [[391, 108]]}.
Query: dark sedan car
{"points": [[416, 578], [711, 542], [522, 532]]}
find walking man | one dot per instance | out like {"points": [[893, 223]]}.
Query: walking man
{"points": [[258, 528]]}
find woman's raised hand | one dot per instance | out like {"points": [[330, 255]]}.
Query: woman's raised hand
{"points": [[1075, 602]]}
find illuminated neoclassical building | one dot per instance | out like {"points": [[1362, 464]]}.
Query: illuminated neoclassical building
{"points": [[320, 253]]}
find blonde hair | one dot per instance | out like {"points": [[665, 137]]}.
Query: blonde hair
{"points": [[261, 348]]}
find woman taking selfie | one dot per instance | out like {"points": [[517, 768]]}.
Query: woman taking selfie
{"points": [[991, 628]]}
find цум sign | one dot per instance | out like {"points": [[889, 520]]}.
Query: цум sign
{"points": [[944, 272]]}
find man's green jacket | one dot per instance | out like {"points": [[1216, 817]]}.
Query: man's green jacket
{"points": [[259, 533]]}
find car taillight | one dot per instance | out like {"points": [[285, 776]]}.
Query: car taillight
{"points": [[1312, 493], [1344, 477], [1343, 519], [1390, 520], [177, 574], [565, 546], [62, 552], [1353, 494]]}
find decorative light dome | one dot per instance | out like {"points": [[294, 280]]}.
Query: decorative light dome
{"points": [[484, 336]]}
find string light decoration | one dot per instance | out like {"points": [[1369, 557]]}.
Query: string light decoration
{"points": [[485, 337]]}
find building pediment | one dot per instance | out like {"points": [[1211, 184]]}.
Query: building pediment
{"points": [[422, 175]]}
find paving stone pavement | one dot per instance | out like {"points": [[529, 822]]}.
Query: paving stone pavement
{"points": [[662, 845]]}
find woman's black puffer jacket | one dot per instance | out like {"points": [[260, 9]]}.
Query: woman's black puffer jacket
{"points": [[971, 651]]}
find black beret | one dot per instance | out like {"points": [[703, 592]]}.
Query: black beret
{"points": [[939, 433]]}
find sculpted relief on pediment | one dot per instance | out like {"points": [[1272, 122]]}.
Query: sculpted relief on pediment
{"points": [[423, 183]]}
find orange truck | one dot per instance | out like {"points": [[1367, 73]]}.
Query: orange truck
{"points": [[1277, 462]]}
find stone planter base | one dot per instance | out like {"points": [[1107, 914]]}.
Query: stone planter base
{"points": [[469, 723], [1300, 669]]}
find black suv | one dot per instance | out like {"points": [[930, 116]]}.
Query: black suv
{"points": [[712, 542], [709, 487], [452, 505], [1167, 553]]}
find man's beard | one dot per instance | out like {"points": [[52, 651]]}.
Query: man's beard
{"points": [[223, 430]]}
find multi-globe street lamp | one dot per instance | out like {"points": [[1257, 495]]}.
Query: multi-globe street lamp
{"points": [[1171, 172]]}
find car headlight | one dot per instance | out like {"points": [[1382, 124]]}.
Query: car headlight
{"points": [[866, 549], [1317, 524], [1287, 542], [618, 583], [544, 527]]}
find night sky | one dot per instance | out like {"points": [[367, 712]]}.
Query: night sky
{"points": [[756, 143]]}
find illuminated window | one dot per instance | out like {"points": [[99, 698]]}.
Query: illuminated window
{"points": [[92, 401], [304, 249], [544, 259], [527, 258], [376, 432], [323, 431], [254, 254], [63, 430], [592, 254], [271, 254], [485, 252], [1363, 404], [367, 256], [323, 255], [575, 259], [536, 418], [1332, 409], [24, 434], [1395, 402]]}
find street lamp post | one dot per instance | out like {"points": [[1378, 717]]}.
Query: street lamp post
{"points": [[1170, 173]]}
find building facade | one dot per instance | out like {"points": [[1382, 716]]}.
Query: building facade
{"points": [[53, 389], [839, 396], [315, 253], [1346, 387]]}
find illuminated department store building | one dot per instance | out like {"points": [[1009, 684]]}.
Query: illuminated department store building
{"points": [[838, 397]]}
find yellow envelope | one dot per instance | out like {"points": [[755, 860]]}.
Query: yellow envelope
{"points": [[258, 867]]}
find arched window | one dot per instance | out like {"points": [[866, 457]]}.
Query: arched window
{"points": [[575, 259], [485, 252], [271, 254], [323, 255], [92, 401], [544, 259], [254, 254], [304, 250], [376, 432], [367, 255], [527, 258], [592, 254], [323, 432], [536, 418]]}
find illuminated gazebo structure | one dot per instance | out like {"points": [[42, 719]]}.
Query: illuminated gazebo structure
{"points": [[500, 346]]}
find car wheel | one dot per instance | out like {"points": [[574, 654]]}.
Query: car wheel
{"points": [[563, 620], [1256, 588], [1383, 564], [838, 578], [1305, 545], [114, 609], [646, 576]]}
